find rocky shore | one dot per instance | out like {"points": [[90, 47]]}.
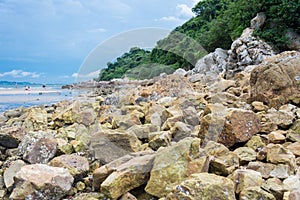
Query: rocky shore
{"points": [[229, 129]]}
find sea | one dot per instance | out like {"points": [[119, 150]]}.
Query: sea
{"points": [[25, 94]]}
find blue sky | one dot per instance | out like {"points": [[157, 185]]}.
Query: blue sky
{"points": [[48, 41]]}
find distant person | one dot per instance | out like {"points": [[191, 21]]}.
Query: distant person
{"points": [[44, 87], [26, 88]]}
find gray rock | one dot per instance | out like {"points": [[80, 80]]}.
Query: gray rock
{"points": [[77, 165], [41, 181], [11, 171], [11, 137], [108, 145]]}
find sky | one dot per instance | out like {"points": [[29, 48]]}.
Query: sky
{"points": [[58, 41]]}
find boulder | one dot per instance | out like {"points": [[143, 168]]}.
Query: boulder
{"points": [[108, 145], [159, 139], [11, 171], [294, 148], [142, 131], [128, 176], [277, 154], [180, 131], [256, 193], [276, 80], [237, 125], [36, 120], [276, 137], [224, 161], [246, 154], [255, 143], [258, 21], [170, 166], [41, 151], [11, 137], [41, 181], [245, 178], [77, 165], [246, 50], [275, 187], [214, 62], [205, 186]]}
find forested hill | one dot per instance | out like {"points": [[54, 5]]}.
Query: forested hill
{"points": [[216, 25]]}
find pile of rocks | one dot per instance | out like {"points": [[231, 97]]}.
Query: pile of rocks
{"points": [[181, 136]]}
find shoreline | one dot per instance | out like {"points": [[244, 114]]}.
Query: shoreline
{"points": [[27, 92]]}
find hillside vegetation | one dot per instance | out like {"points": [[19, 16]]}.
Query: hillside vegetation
{"points": [[216, 25]]}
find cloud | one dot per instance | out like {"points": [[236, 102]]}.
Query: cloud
{"points": [[97, 30], [169, 19], [88, 76], [20, 74], [184, 11]]}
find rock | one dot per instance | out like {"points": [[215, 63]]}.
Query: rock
{"points": [[36, 120], [224, 162], [236, 126], [275, 81], [11, 137], [41, 181], [78, 146], [275, 187], [214, 62], [292, 183], [258, 21], [293, 40], [204, 185], [280, 118], [276, 137], [259, 106], [85, 117], [41, 151], [77, 166], [245, 178], [63, 146], [142, 131], [128, 176], [281, 171], [277, 154], [124, 122], [180, 131], [256, 193], [255, 143], [245, 154], [294, 148], [180, 72], [108, 145], [292, 136], [246, 50], [159, 139], [11, 171], [296, 126], [170, 166], [264, 169], [157, 115], [88, 196], [292, 195], [128, 196], [14, 113]]}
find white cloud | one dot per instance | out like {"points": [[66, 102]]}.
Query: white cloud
{"points": [[184, 11], [169, 18], [90, 75], [97, 30], [20, 74]]}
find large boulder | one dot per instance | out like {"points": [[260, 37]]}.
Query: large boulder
{"points": [[277, 80], [108, 145], [75, 164], [11, 137], [36, 120], [235, 126], [203, 186], [41, 181], [128, 176], [171, 165]]}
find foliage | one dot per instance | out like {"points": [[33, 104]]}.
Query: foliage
{"points": [[216, 24], [127, 61]]}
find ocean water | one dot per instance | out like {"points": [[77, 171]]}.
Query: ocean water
{"points": [[14, 95]]}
